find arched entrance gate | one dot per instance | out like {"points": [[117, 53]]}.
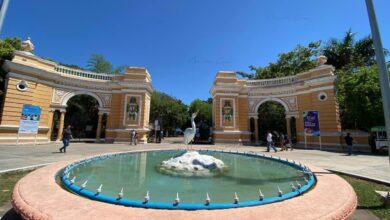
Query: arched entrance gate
{"points": [[124, 99], [236, 103], [60, 104], [290, 114]]}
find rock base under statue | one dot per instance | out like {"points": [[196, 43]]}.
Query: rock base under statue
{"points": [[192, 163]]}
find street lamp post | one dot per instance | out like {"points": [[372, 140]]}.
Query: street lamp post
{"points": [[3, 11], [383, 75]]}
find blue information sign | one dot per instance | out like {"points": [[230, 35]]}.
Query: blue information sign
{"points": [[311, 123], [29, 120]]}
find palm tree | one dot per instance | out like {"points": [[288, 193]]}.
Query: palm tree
{"points": [[348, 53]]}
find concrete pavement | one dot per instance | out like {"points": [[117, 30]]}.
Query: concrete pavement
{"points": [[370, 166]]}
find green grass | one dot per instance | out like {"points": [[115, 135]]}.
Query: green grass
{"points": [[7, 183], [368, 199]]}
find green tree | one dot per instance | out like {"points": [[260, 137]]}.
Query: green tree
{"points": [[290, 63], [359, 97], [82, 111], [349, 53], [354, 61], [204, 108], [171, 112], [98, 64], [271, 118], [7, 47], [358, 89]]}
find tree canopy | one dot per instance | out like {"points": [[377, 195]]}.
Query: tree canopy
{"points": [[349, 53], [272, 118], [358, 90], [171, 112], [7, 47], [97, 63], [290, 63], [204, 108], [359, 97]]}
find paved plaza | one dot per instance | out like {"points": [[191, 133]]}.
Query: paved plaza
{"points": [[370, 166]]}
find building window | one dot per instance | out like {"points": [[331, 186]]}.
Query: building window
{"points": [[22, 86], [322, 96]]}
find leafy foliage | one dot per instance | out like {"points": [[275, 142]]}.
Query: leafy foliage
{"points": [[204, 108], [348, 53], [359, 97], [298, 60], [171, 112], [98, 63], [358, 90], [7, 47], [82, 111], [271, 118]]}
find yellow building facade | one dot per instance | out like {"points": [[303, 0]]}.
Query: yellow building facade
{"points": [[124, 99], [236, 104]]}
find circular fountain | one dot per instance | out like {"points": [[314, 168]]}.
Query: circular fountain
{"points": [[190, 180], [145, 184]]}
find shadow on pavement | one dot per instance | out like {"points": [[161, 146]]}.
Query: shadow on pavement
{"points": [[11, 215]]}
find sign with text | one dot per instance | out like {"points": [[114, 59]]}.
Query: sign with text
{"points": [[311, 123], [29, 120]]}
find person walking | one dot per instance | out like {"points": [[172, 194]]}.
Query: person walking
{"points": [[287, 142], [134, 137], [133, 140], [270, 143], [281, 142], [66, 136], [349, 142]]}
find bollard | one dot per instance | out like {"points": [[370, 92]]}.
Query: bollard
{"points": [[84, 184], [120, 194], [208, 200], [99, 190], [236, 199], [261, 196]]}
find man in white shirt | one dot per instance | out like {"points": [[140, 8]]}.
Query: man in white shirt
{"points": [[270, 142]]}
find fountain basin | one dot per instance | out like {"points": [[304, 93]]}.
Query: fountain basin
{"points": [[331, 198], [136, 174]]}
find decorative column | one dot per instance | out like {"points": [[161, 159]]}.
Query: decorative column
{"points": [[288, 126], [50, 124], [256, 129], [99, 125], [61, 124]]}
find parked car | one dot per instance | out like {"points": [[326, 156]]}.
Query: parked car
{"points": [[378, 138]]}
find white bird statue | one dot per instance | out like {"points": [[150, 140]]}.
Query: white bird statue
{"points": [[189, 133]]}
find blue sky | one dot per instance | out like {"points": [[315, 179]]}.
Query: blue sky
{"points": [[183, 43]]}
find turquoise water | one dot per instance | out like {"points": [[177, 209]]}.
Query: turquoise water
{"points": [[137, 173]]}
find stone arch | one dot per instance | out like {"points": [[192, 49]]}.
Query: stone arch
{"points": [[285, 106], [68, 96]]}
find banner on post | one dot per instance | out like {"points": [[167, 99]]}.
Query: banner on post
{"points": [[311, 123], [29, 120]]}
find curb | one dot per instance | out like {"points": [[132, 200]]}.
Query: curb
{"points": [[380, 181], [32, 167]]}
